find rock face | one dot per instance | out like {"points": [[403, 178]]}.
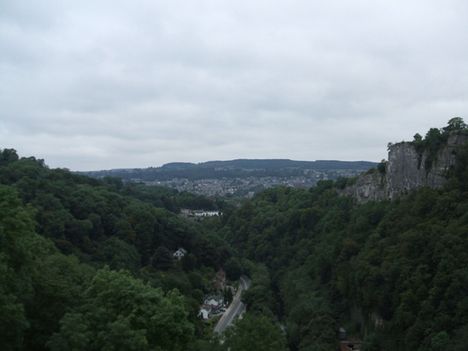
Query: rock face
{"points": [[369, 186], [406, 170]]}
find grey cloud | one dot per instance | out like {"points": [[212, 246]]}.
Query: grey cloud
{"points": [[90, 85]]}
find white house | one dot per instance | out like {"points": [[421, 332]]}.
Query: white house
{"points": [[181, 252], [212, 303], [204, 313], [204, 213]]}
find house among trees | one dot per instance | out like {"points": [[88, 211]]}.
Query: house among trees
{"points": [[181, 252], [212, 305], [199, 213], [204, 313], [205, 213]]}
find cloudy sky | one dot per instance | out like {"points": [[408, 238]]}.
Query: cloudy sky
{"points": [[105, 84]]}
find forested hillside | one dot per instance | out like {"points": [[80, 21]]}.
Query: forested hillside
{"points": [[241, 168], [87, 264], [394, 274]]}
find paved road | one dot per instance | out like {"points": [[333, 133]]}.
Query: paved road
{"points": [[236, 307]]}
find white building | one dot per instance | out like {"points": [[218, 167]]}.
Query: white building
{"points": [[206, 213], [181, 252], [204, 313]]}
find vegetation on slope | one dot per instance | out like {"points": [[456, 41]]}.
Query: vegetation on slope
{"points": [[241, 168], [393, 273], [86, 264], [435, 138]]}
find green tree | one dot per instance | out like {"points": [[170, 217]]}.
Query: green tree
{"points": [[417, 138], [440, 341], [162, 258], [233, 268], [455, 123], [7, 156], [16, 261], [227, 295], [120, 312], [255, 333], [118, 254]]}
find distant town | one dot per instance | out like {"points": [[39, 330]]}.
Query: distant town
{"points": [[247, 187], [238, 178]]}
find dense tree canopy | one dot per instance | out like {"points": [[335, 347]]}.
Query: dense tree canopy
{"points": [[120, 312], [254, 333], [57, 229], [87, 264], [393, 273]]}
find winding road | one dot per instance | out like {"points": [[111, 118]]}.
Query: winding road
{"points": [[235, 309]]}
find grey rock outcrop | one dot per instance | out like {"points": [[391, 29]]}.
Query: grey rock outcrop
{"points": [[369, 186], [406, 170]]}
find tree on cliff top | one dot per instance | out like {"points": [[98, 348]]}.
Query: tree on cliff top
{"points": [[455, 123]]}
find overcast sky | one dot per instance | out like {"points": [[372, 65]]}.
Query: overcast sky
{"points": [[108, 84]]}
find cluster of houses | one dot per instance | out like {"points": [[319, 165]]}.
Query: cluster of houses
{"points": [[199, 213], [212, 305]]}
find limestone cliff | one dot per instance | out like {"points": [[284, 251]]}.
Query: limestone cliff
{"points": [[407, 169]]}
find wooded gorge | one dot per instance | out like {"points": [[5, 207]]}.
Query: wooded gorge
{"points": [[394, 273], [64, 240], [87, 265]]}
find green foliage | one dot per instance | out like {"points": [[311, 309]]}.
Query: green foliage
{"points": [[242, 168], [118, 254], [227, 294], [254, 333], [432, 143], [16, 228], [381, 167], [162, 258], [37, 283], [259, 297], [98, 223], [455, 124], [167, 198], [417, 138], [396, 271], [7, 156], [233, 268], [122, 313], [81, 215], [435, 138]]}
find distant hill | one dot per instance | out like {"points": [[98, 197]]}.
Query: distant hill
{"points": [[240, 168]]}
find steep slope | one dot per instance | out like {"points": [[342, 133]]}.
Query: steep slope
{"points": [[410, 165], [393, 273], [87, 265]]}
